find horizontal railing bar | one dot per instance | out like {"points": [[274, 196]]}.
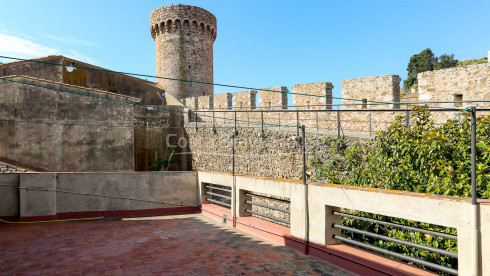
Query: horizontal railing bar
{"points": [[401, 104], [433, 233], [219, 195], [397, 255], [407, 243], [267, 206], [220, 189], [267, 216], [442, 109], [218, 202], [266, 197]]}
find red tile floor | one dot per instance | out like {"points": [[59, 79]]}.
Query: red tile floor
{"points": [[168, 245]]}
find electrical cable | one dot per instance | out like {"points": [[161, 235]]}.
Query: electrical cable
{"points": [[207, 83]]}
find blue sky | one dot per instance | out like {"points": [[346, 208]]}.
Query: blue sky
{"points": [[260, 43]]}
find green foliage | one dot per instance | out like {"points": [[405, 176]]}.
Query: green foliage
{"points": [[415, 237], [163, 162], [424, 158], [421, 62], [472, 61], [426, 61], [445, 61]]}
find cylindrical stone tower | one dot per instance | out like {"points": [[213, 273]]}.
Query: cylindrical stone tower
{"points": [[184, 37]]}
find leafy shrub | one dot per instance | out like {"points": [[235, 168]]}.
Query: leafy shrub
{"points": [[424, 158]]}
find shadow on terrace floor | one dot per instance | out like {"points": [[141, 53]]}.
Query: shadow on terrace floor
{"points": [[170, 245]]}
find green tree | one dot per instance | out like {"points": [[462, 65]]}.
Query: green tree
{"points": [[446, 61], [421, 62]]}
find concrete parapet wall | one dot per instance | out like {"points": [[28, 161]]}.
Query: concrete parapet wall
{"points": [[323, 198], [372, 89], [47, 195]]}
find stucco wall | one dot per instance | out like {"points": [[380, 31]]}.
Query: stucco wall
{"points": [[60, 131], [96, 79], [49, 194]]}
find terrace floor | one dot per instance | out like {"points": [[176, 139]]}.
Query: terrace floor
{"points": [[170, 245]]}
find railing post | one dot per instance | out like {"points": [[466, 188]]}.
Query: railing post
{"points": [[214, 123], [408, 118], [317, 130], [233, 203], [262, 120], [235, 125], [370, 126], [279, 120], [303, 151], [475, 233], [338, 124], [297, 123], [196, 118]]}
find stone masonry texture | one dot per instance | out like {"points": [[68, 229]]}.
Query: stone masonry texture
{"points": [[468, 83], [184, 37], [322, 89], [205, 102], [276, 155], [372, 89], [223, 101], [245, 99], [273, 100]]}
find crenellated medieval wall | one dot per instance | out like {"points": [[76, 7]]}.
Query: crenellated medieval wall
{"points": [[380, 89], [467, 83]]}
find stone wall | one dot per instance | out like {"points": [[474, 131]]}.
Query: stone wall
{"points": [[191, 102], [245, 99], [372, 89], [184, 37], [223, 101], [96, 79], [273, 100], [455, 84], [276, 155], [205, 102], [322, 91], [59, 131]]}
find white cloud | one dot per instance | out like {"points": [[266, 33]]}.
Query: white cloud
{"points": [[70, 40], [23, 48], [19, 47], [76, 55]]}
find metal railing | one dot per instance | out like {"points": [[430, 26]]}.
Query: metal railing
{"points": [[387, 252], [269, 217], [220, 195]]}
